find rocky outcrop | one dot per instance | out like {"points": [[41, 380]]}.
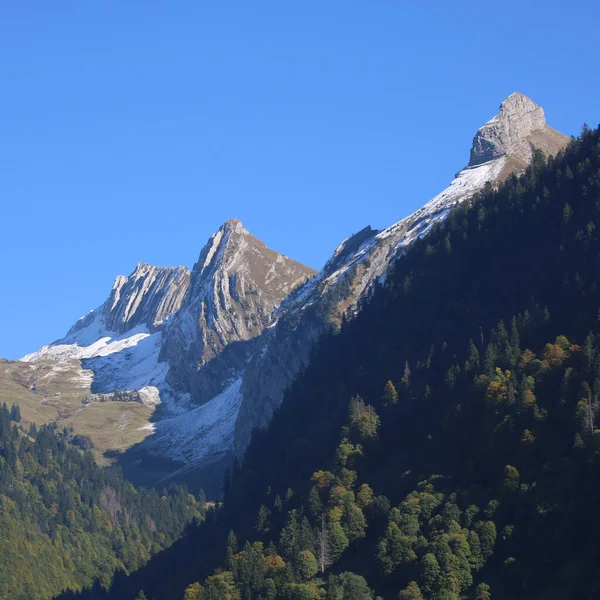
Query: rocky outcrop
{"points": [[518, 128], [502, 146], [149, 296]]}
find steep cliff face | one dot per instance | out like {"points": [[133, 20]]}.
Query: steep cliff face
{"points": [[150, 295], [518, 128], [502, 146], [235, 287]]}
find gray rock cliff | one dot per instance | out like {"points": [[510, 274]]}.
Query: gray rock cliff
{"points": [[235, 287], [518, 128]]}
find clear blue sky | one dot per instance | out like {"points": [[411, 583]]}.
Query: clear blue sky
{"points": [[129, 130]]}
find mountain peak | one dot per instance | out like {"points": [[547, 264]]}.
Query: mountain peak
{"points": [[220, 242], [509, 132], [520, 103], [235, 287], [233, 225]]}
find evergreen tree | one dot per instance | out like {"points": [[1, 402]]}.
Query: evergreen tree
{"points": [[390, 395]]}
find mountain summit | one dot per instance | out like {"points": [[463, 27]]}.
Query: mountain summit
{"points": [[235, 287], [518, 128]]}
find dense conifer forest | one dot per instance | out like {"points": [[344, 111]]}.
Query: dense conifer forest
{"points": [[442, 445], [66, 522]]}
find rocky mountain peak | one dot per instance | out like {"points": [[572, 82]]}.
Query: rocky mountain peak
{"points": [[148, 296], [518, 128], [236, 285], [234, 225], [232, 251], [226, 240]]}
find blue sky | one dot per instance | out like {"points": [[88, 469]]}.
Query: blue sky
{"points": [[130, 130]]}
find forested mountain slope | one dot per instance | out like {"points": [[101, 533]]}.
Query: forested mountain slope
{"points": [[65, 522], [443, 444]]}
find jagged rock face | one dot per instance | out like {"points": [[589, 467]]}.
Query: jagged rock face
{"points": [[235, 287], [515, 131], [149, 296], [503, 146], [116, 346]]}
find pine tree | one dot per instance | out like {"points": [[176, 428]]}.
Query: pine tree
{"points": [[472, 362], [262, 522], [390, 395], [232, 550], [406, 374], [482, 592], [15, 413], [323, 543]]}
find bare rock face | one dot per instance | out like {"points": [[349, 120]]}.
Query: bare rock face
{"points": [[149, 296], [235, 287], [515, 131]]}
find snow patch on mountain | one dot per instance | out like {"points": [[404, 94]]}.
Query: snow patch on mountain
{"points": [[129, 364], [110, 361], [200, 434], [215, 240]]}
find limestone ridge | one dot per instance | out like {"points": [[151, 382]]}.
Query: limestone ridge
{"points": [[518, 128], [149, 296]]}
